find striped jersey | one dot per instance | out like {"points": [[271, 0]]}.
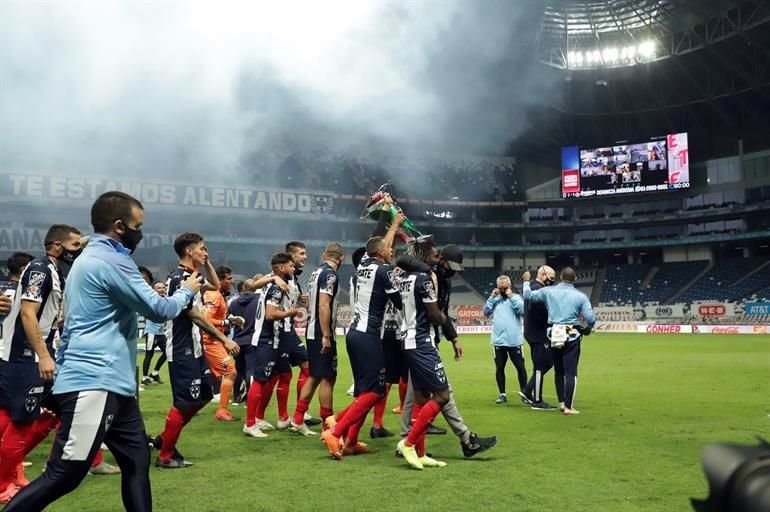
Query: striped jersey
{"points": [[375, 285], [183, 339], [41, 282], [268, 331], [322, 281], [416, 290]]}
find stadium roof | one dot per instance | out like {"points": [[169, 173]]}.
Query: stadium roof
{"points": [[613, 33]]}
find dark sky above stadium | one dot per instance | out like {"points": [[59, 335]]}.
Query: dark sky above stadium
{"points": [[172, 88]]}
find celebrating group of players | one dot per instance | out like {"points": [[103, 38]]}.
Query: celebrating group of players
{"points": [[390, 341]]}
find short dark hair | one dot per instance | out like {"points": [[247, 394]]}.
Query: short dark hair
{"points": [[146, 273], [59, 232], [110, 207], [293, 245], [239, 286], [373, 245], [568, 274], [17, 261], [222, 271], [280, 258], [184, 241]]}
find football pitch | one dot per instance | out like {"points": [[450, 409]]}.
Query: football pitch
{"points": [[649, 404]]}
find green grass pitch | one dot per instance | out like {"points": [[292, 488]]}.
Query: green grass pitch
{"points": [[649, 404]]}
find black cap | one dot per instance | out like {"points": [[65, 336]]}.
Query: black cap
{"points": [[454, 257]]}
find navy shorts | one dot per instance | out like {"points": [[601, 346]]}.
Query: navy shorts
{"points": [[367, 362], [426, 368], [395, 366], [190, 382], [322, 366], [260, 361], [23, 392], [291, 352]]}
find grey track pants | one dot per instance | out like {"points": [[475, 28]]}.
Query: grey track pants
{"points": [[450, 412]]}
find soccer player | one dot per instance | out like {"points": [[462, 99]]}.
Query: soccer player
{"points": [[16, 263], [188, 369], [322, 353], [566, 305], [219, 361], [154, 338], [273, 308], [28, 364], [429, 381], [422, 256], [507, 308], [375, 286], [535, 329], [95, 387]]}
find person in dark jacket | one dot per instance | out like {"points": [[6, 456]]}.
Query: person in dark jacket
{"points": [[535, 327], [245, 306]]}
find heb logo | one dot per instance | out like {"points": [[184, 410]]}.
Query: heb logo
{"points": [[664, 311], [664, 329], [725, 330], [711, 310]]}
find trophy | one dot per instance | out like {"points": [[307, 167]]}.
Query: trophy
{"points": [[376, 206]]}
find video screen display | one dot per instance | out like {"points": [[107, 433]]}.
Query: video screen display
{"points": [[659, 164]]}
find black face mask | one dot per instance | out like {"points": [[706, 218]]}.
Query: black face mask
{"points": [[449, 272], [68, 256], [297, 271], [549, 282], [131, 238]]}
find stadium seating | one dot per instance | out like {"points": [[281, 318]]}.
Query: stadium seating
{"points": [[717, 283], [622, 284], [669, 279]]}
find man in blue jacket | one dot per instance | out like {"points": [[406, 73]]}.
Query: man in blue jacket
{"points": [[95, 384], [569, 318], [507, 336]]}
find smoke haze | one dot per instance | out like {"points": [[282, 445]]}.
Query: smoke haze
{"points": [[170, 88]]}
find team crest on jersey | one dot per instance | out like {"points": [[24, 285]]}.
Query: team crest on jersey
{"points": [[195, 388], [32, 293], [32, 400]]}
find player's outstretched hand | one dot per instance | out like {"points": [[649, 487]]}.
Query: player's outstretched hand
{"points": [[194, 282], [232, 347]]}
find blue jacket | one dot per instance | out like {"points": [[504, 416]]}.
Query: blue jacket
{"points": [[565, 303], [151, 327], [507, 330], [104, 293]]}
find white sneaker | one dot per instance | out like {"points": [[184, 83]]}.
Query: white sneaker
{"points": [[351, 389], [265, 425], [215, 400], [428, 462], [253, 431], [283, 424], [570, 412], [141, 388], [308, 417], [302, 429]]}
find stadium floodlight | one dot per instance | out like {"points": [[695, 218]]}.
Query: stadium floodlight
{"points": [[578, 57], [610, 54], [647, 49]]}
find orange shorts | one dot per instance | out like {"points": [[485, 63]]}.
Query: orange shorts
{"points": [[220, 362]]}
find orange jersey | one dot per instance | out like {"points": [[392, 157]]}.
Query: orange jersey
{"points": [[215, 311]]}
